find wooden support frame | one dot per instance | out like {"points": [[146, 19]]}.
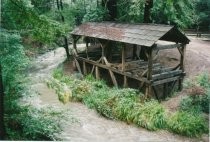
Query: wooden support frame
{"points": [[148, 92], [182, 64], [146, 77], [163, 47]]}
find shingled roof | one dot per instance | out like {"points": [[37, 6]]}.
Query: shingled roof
{"points": [[139, 34]]}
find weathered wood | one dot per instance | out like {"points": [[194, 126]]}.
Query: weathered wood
{"points": [[155, 92], [180, 51], [182, 65], [113, 78], [165, 80], [84, 68], [78, 66], [97, 72], [162, 47], [86, 49], [92, 70], [165, 89], [75, 39], [166, 74], [125, 81], [149, 73], [123, 58], [94, 63]]}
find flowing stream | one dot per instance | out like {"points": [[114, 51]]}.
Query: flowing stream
{"points": [[91, 127]]}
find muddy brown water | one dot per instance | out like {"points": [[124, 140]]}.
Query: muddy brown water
{"points": [[91, 127]]}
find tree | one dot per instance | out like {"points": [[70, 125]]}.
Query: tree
{"points": [[111, 6], [175, 12], [60, 8], [2, 127], [147, 7]]}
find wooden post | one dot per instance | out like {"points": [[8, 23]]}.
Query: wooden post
{"points": [[113, 78], [149, 72], [123, 57], [87, 49], [97, 73], [75, 54], [165, 90], [84, 68], [182, 65], [103, 53], [125, 81], [2, 127]]}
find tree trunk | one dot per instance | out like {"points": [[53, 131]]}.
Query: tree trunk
{"points": [[66, 46], [111, 5], [2, 128], [148, 6]]}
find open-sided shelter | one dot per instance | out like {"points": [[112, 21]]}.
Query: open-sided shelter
{"points": [[130, 40]]}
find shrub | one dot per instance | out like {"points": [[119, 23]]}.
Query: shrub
{"points": [[150, 115], [186, 123], [204, 80]]}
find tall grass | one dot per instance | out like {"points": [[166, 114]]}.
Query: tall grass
{"points": [[127, 105]]}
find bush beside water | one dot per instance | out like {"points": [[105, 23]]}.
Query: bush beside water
{"points": [[127, 105]]}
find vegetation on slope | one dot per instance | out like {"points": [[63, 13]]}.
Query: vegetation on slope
{"points": [[126, 104], [22, 120]]}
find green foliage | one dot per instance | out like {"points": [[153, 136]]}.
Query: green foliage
{"points": [[128, 105], [204, 80], [28, 20], [199, 97], [151, 115], [198, 102], [22, 122], [29, 123], [179, 12], [13, 60], [96, 15], [188, 124], [130, 11], [202, 14]]}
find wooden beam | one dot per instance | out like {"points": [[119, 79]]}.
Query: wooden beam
{"points": [[165, 80], [155, 92], [94, 63], [162, 47], [87, 49], [182, 65], [123, 57], [149, 72], [166, 74], [84, 68], [97, 72], [125, 81], [113, 78], [78, 66]]}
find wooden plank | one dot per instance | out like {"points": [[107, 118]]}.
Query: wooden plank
{"points": [[113, 78], [165, 80], [162, 47], [166, 74], [78, 66], [113, 70]]}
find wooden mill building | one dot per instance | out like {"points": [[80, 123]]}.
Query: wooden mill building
{"points": [[126, 54]]}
